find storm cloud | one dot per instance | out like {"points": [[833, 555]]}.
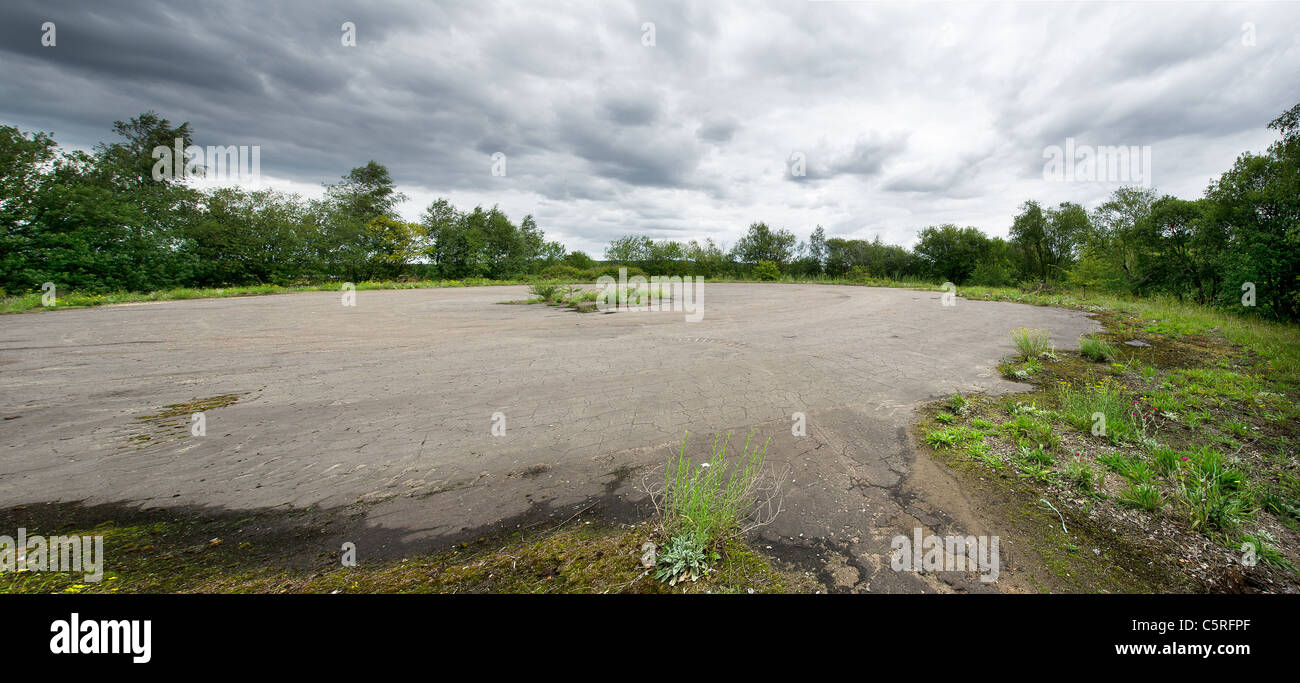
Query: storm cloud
{"points": [[675, 119]]}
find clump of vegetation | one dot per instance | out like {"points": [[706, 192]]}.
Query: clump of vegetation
{"points": [[1144, 495], [1031, 343], [1262, 544], [952, 436], [767, 271], [959, 404], [1096, 349], [549, 291], [684, 558], [633, 296], [708, 503], [1099, 407], [1082, 475]]}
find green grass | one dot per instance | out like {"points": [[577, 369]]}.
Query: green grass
{"points": [[1096, 349], [1132, 468], [1142, 495], [31, 302], [1031, 343], [1100, 407], [1025, 427], [711, 500], [1265, 552], [1199, 427], [950, 437], [1084, 476]]}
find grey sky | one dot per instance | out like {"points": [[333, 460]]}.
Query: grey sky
{"points": [[907, 114]]}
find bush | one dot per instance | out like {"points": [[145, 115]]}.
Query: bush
{"points": [[549, 291], [561, 271], [767, 271], [612, 271]]}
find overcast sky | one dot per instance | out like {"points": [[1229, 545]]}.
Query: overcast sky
{"points": [[906, 114]]}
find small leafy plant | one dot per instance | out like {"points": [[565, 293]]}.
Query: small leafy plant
{"points": [[1144, 495], [685, 558]]}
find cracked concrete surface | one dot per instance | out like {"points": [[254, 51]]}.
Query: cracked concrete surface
{"points": [[390, 403]]}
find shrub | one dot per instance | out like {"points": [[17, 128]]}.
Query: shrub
{"points": [[561, 271], [767, 270], [549, 291], [612, 271]]}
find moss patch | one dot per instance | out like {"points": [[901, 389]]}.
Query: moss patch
{"points": [[182, 552]]}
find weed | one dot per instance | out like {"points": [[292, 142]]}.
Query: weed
{"points": [[1082, 475], [1134, 469], [1031, 343], [549, 291], [1143, 495], [1098, 405], [684, 558], [1096, 349], [712, 499], [959, 404], [949, 437], [1261, 543]]}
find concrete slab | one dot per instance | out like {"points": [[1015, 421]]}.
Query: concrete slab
{"points": [[392, 402]]}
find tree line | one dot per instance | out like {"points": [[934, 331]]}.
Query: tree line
{"points": [[1238, 245], [102, 220]]}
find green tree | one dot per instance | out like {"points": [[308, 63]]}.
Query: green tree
{"points": [[952, 253], [1257, 204], [762, 243]]}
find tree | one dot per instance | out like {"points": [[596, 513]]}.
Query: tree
{"points": [[952, 253], [1257, 204], [1049, 239], [132, 161], [366, 193], [246, 237], [1109, 249], [579, 260], [394, 244], [817, 247], [762, 243]]}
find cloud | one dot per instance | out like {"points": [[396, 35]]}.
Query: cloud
{"points": [[908, 115]]}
